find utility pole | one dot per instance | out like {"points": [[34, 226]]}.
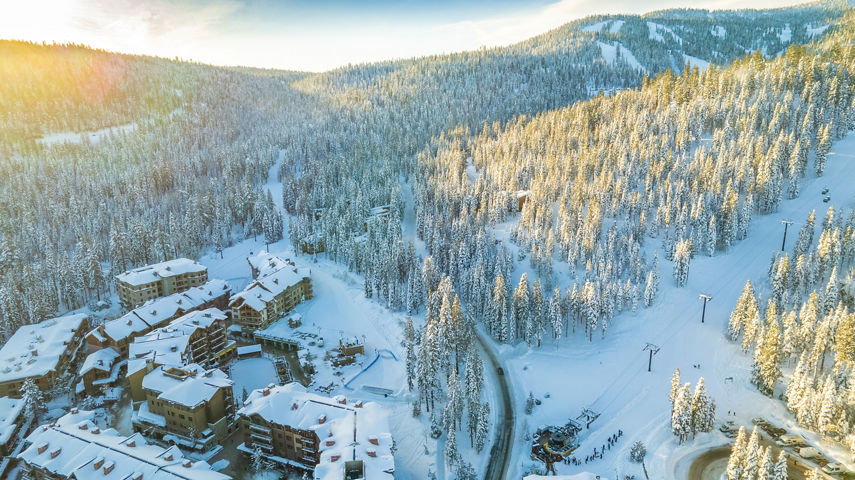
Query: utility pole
{"points": [[705, 298], [786, 223], [653, 349]]}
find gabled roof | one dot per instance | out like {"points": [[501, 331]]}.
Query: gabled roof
{"points": [[34, 350], [99, 360], [157, 271], [263, 290], [155, 312], [264, 263]]}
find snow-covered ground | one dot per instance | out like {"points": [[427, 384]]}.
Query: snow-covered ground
{"points": [[93, 137], [696, 62], [656, 30], [610, 375], [252, 373], [610, 55], [719, 31], [595, 27]]}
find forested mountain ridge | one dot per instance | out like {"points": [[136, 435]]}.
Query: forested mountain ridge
{"points": [[186, 175]]}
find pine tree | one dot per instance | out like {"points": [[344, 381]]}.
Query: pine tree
{"points": [[410, 344], [781, 467], [681, 417], [767, 355], [675, 387], [32, 397], [483, 427], [681, 263], [700, 408], [735, 463]]}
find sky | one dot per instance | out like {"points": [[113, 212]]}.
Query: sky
{"points": [[308, 35]]}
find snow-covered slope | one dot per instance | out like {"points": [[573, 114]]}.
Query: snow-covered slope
{"points": [[610, 375]]}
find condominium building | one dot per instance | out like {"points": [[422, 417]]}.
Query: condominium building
{"points": [[187, 405], [197, 337], [41, 352], [297, 429], [269, 298], [119, 333], [140, 285], [74, 447]]}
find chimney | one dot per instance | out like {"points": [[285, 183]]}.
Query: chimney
{"points": [[294, 406], [132, 443], [55, 453], [371, 452], [373, 440], [266, 392], [358, 404], [342, 400], [322, 419], [83, 426], [74, 410], [98, 462], [136, 476], [335, 458], [42, 447], [34, 352], [187, 464], [130, 322], [96, 431], [168, 458], [109, 467], [330, 443]]}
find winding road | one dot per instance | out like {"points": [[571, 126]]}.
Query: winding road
{"points": [[500, 454]]}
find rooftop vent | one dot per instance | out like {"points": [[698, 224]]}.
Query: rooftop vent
{"points": [[98, 462], [96, 431], [168, 458], [132, 443], [358, 404], [322, 419], [55, 452], [42, 447], [187, 464], [294, 406], [266, 392], [74, 410], [83, 426], [108, 467]]}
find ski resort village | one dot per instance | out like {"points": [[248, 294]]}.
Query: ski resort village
{"points": [[240, 241]]}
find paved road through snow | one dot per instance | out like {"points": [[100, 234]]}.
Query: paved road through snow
{"points": [[500, 453]]}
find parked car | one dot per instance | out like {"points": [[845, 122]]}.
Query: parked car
{"points": [[835, 468], [729, 429], [792, 440]]}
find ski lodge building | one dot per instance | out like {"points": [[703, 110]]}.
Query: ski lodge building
{"points": [[187, 405], [302, 430], [76, 448], [41, 351], [140, 285], [274, 293], [197, 337], [119, 333]]}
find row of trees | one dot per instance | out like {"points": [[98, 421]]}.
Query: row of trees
{"points": [[751, 461], [815, 331]]}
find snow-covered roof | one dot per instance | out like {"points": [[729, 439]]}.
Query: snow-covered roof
{"points": [[168, 344], [76, 447], [333, 420], [34, 350], [263, 290], [264, 263], [154, 273], [10, 410], [100, 359], [246, 350], [154, 312], [186, 385]]}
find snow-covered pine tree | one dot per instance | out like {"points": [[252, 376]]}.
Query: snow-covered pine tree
{"points": [[681, 263]]}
